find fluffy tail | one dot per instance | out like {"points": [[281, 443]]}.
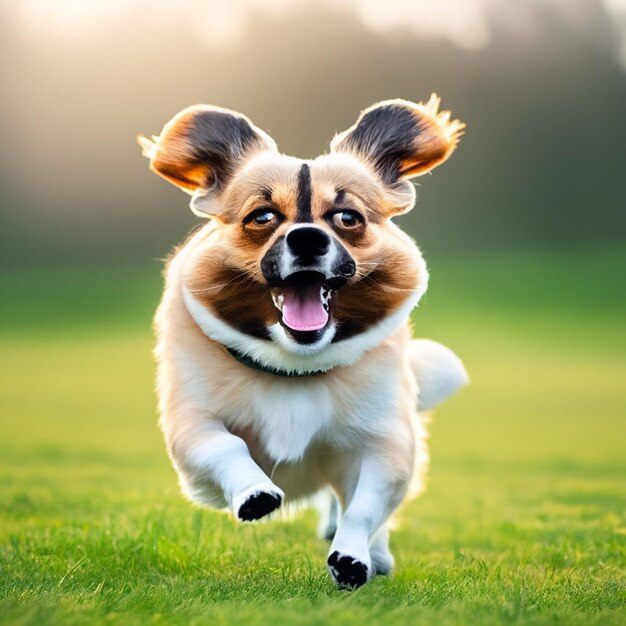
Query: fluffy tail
{"points": [[438, 371]]}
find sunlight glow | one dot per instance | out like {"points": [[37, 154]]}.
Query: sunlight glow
{"points": [[617, 8], [72, 15], [461, 22], [467, 24]]}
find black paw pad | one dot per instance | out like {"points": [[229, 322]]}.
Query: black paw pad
{"points": [[258, 505], [346, 571]]}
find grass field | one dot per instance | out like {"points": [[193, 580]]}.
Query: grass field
{"points": [[522, 523]]}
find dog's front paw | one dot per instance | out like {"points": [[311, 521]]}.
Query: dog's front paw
{"points": [[347, 571], [257, 502]]}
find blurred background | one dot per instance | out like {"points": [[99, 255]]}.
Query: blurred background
{"points": [[540, 83], [524, 231]]}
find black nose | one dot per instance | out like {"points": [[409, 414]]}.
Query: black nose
{"points": [[308, 242]]}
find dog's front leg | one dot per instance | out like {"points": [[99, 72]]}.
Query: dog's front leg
{"points": [[380, 487], [215, 467]]}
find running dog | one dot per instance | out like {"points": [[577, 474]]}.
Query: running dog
{"points": [[286, 364]]}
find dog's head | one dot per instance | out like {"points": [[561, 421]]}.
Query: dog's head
{"points": [[302, 254]]}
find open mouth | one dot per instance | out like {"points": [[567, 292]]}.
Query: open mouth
{"points": [[305, 301]]}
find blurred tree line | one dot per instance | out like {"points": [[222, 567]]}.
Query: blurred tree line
{"points": [[542, 163]]}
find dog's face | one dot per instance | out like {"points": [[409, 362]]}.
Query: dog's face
{"points": [[303, 253]]}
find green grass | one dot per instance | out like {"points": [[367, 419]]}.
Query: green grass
{"points": [[522, 523]]}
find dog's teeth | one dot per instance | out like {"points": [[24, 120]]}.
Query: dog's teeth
{"points": [[278, 300]]}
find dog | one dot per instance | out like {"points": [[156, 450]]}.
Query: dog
{"points": [[286, 364]]}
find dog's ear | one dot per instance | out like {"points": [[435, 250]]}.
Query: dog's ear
{"points": [[199, 149], [399, 139]]}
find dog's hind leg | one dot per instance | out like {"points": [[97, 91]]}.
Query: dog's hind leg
{"points": [[438, 371], [382, 559], [329, 510]]}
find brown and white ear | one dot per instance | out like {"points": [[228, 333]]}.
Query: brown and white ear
{"points": [[199, 150], [398, 140]]}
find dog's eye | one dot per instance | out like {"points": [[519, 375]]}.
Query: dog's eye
{"points": [[347, 219], [265, 217], [262, 217]]}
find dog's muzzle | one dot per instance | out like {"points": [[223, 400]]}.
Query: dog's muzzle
{"points": [[303, 269]]}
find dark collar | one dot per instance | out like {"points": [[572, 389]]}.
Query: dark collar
{"points": [[248, 361]]}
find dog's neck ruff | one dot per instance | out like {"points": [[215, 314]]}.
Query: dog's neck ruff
{"points": [[282, 355], [248, 361]]}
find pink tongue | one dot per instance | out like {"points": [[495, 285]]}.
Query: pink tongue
{"points": [[303, 310]]}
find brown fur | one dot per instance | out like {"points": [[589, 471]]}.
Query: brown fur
{"points": [[226, 275]]}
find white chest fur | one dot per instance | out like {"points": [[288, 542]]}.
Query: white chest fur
{"points": [[362, 393], [285, 413]]}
